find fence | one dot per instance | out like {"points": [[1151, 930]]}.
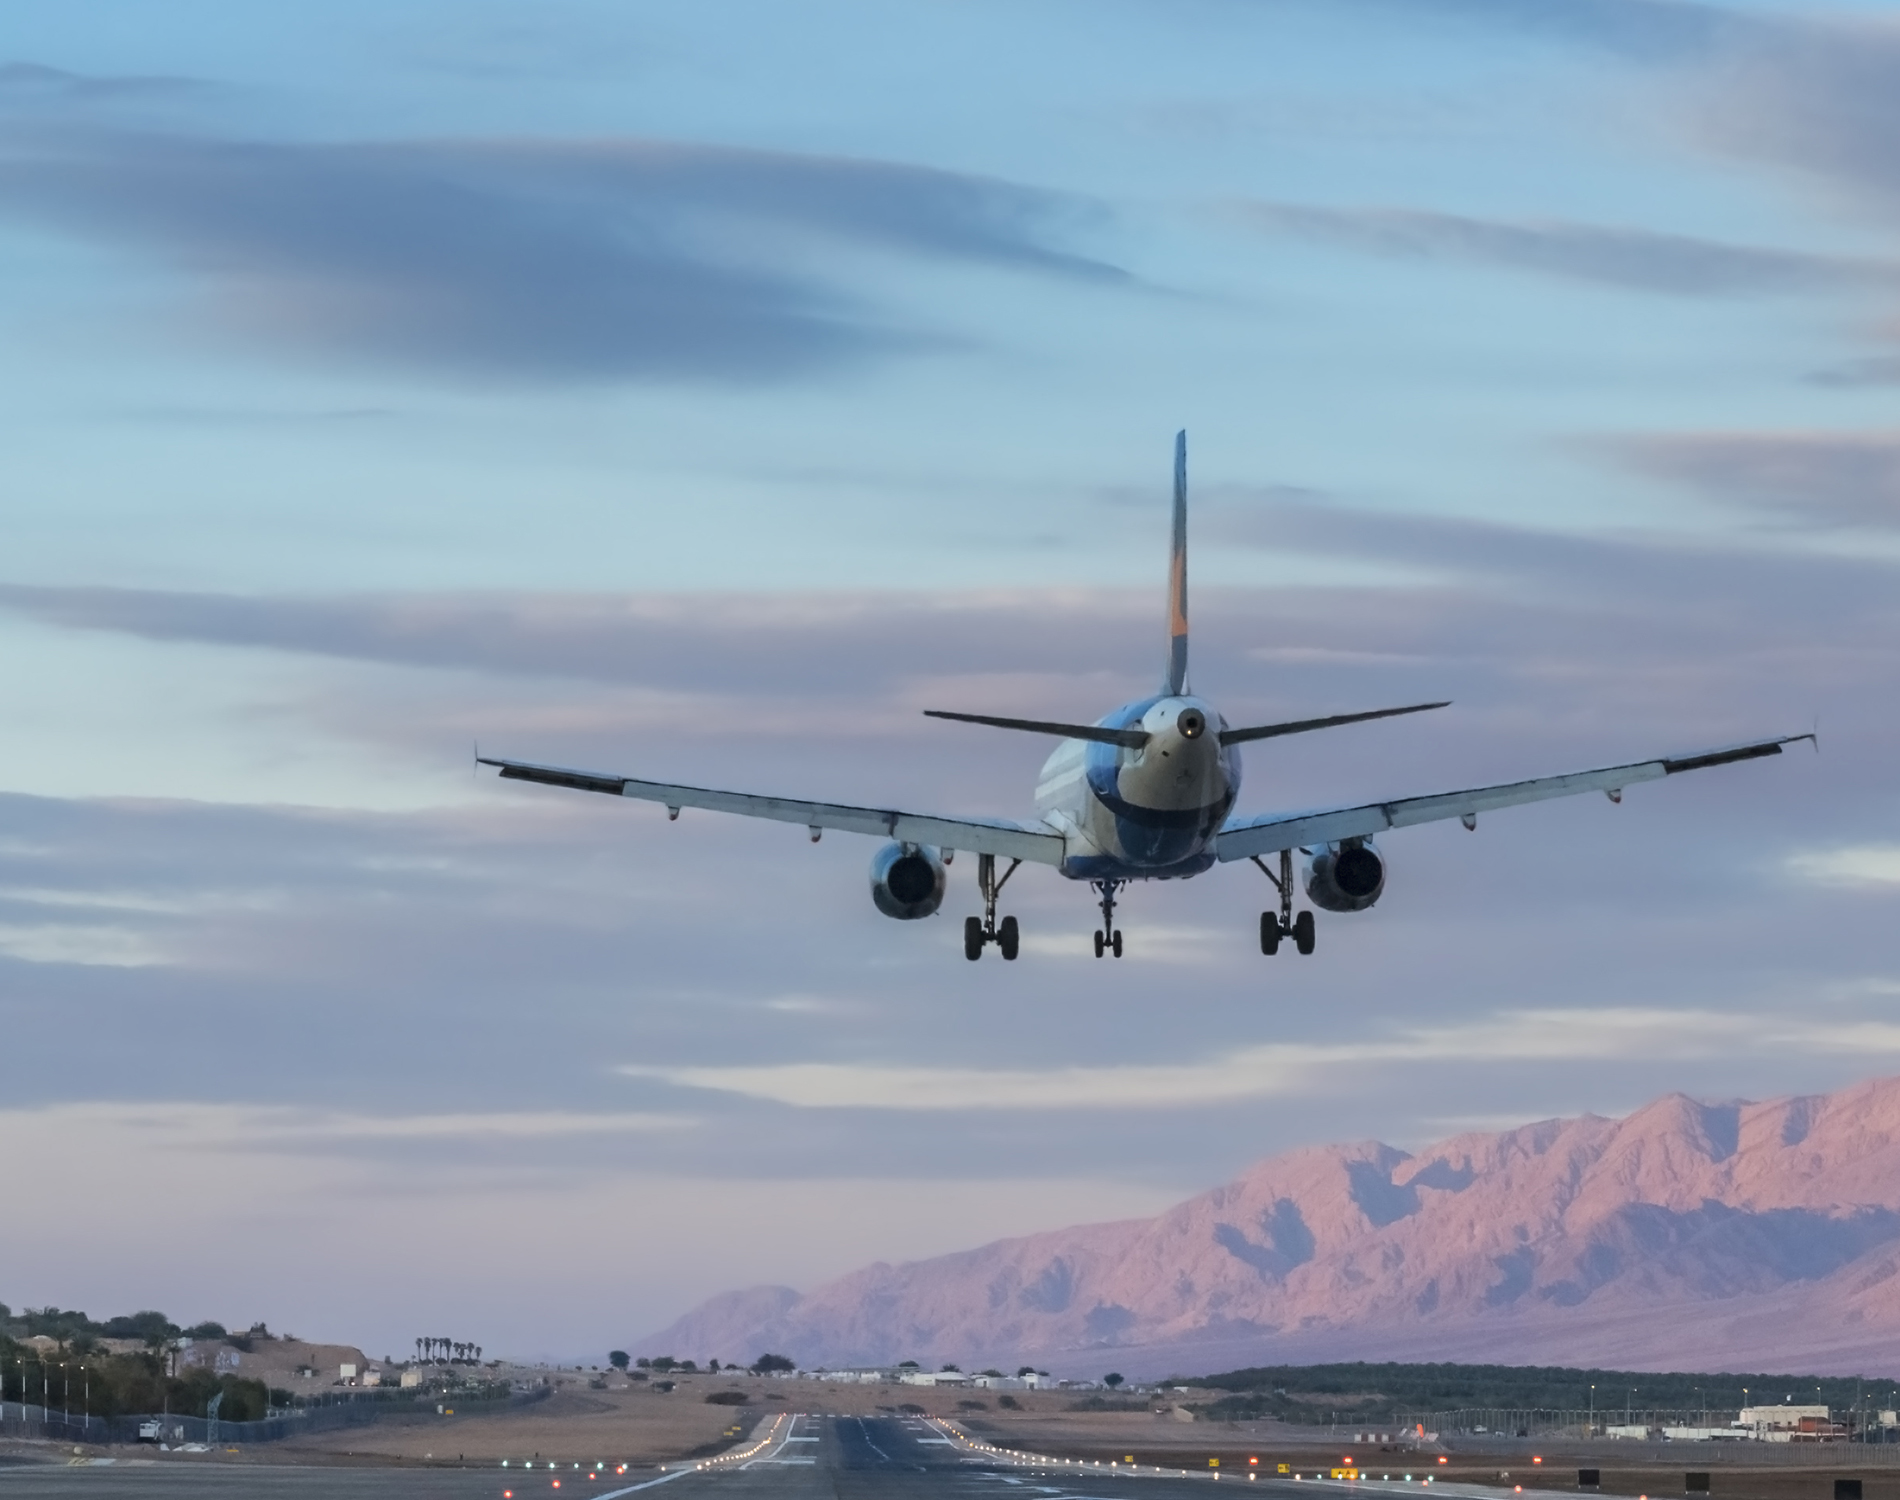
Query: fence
{"points": [[29, 1421], [1521, 1433]]}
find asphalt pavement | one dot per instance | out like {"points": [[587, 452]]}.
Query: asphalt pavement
{"points": [[793, 1457]]}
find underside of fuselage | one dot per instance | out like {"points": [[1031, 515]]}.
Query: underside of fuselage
{"points": [[1143, 814]]}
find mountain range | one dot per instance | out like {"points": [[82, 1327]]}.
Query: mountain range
{"points": [[1688, 1235]]}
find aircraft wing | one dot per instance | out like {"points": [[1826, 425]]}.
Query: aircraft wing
{"points": [[1273, 832], [978, 835]]}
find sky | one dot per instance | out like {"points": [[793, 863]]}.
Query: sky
{"points": [[701, 392]]}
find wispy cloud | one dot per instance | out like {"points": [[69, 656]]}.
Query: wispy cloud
{"points": [[1855, 865], [1635, 259], [1270, 1071], [1823, 479], [195, 1126], [31, 83], [534, 260], [1642, 30]]}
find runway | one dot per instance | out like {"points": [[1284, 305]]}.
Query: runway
{"points": [[795, 1457]]}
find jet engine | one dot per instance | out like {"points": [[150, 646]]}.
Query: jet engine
{"points": [[1346, 877], [907, 881]]}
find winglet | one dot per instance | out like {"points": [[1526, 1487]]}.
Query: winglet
{"points": [[1177, 575]]}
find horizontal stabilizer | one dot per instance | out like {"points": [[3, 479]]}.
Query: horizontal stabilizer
{"points": [[1300, 726], [1134, 739]]}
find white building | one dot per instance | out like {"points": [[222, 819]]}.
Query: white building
{"points": [[1784, 1418]]}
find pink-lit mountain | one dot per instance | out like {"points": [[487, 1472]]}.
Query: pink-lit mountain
{"points": [[1687, 1236]]}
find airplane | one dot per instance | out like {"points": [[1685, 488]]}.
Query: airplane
{"points": [[1144, 793]]}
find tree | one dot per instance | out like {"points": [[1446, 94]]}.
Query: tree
{"points": [[767, 1364], [991, 1374], [643, 1364], [909, 1364], [1111, 1380], [713, 1365], [618, 1359], [664, 1362], [951, 1370], [1025, 1370]]}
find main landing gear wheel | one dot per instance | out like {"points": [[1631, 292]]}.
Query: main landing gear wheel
{"points": [[1109, 938], [984, 929], [1283, 924]]}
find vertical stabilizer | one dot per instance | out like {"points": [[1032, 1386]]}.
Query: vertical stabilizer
{"points": [[1177, 575]]}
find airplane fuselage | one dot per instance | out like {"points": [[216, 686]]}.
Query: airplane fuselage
{"points": [[1148, 813]]}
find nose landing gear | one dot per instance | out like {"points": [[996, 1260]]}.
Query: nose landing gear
{"points": [[1282, 924], [1109, 939], [986, 929]]}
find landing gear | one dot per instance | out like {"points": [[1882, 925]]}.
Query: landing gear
{"points": [[1109, 939], [978, 931], [1283, 924]]}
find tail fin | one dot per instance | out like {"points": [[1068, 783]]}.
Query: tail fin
{"points": [[1177, 575]]}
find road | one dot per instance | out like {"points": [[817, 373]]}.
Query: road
{"points": [[791, 1458]]}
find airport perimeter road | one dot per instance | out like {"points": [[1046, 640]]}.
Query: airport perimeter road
{"points": [[797, 1458]]}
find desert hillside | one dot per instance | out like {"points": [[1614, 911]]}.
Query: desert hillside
{"points": [[1721, 1234]]}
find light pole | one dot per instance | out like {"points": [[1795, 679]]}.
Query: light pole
{"points": [[1593, 1411]]}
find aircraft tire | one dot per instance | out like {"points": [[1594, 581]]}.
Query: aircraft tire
{"points": [[1007, 937], [1303, 932], [1100, 944], [1117, 941], [972, 938], [1269, 933]]}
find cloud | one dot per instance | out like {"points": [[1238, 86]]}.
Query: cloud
{"points": [[1819, 95], [824, 642], [1641, 30], [599, 260], [1269, 1071], [1635, 259], [1822, 479], [1853, 374], [1854, 865], [32, 83], [268, 1130], [1815, 95]]}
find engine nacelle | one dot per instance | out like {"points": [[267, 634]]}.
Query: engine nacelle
{"points": [[907, 881], [1346, 877]]}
